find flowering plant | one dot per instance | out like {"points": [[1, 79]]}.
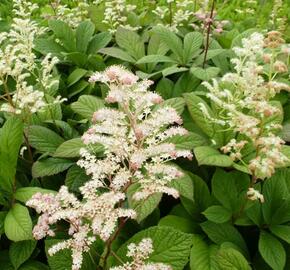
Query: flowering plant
{"points": [[136, 152]]}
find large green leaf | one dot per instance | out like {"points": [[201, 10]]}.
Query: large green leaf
{"points": [[19, 252], [99, 41], [75, 76], [62, 260], [276, 208], [154, 58], [170, 246], [207, 155], [118, 53], [171, 40], [87, 105], [234, 184], [75, 178], [18, 224], [25, 193], [10, 142], [205, 74], [221, 233], [131, 42], [281, 231], [43, 139], [70, 148], [217, 214], [50, 166], [144, 207], [202, 256], [64, 33], [84, 33], [231, 259], [188, 141], [176, 103], [192, 42], [194, 104], [179, 223], [272, 251]]}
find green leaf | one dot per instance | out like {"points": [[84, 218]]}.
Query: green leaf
{"points": [[231, 259], [46, 46], [62, 260], [192, 42], [25, 193], [33, 265], [188, 141], [77, 58], [220, 233], [10, 142], [131, 42], [99, 41], [176, 103], [202, 256], [193, 103], [75, 76], [272, 251], [20, 252], [235, 185], [118, 53], [172, 70], [84, 33], [50, 166], [18, 224], [276, 208], [170, 246], [183, 185], [43, 139], [179, 223], [75, 178], [171, 40], [201, 199], [70, 148], [145, 207], [155, 59], [165, 88], [207, 155], [87, 105], [205, 74], [281, 231], [217, 214], [63, 32]]}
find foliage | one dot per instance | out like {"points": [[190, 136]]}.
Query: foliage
{"points": [[63, 67]]}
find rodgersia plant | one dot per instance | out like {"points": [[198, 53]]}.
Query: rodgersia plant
{"points": [[136, 152], [244, 104], [18, 61]]}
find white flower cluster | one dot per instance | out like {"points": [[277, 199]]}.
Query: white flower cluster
{"points": [[136, 152], [116, 14], [139, 253], [244, 99], [17, 60], [71, 15], [95, 215], [180, 12], [135, 135]]}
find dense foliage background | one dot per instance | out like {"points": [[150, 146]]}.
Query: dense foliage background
{"points": [[212, 225]]}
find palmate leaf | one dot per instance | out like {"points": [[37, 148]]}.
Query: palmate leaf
{"points": [[84, 33]]}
